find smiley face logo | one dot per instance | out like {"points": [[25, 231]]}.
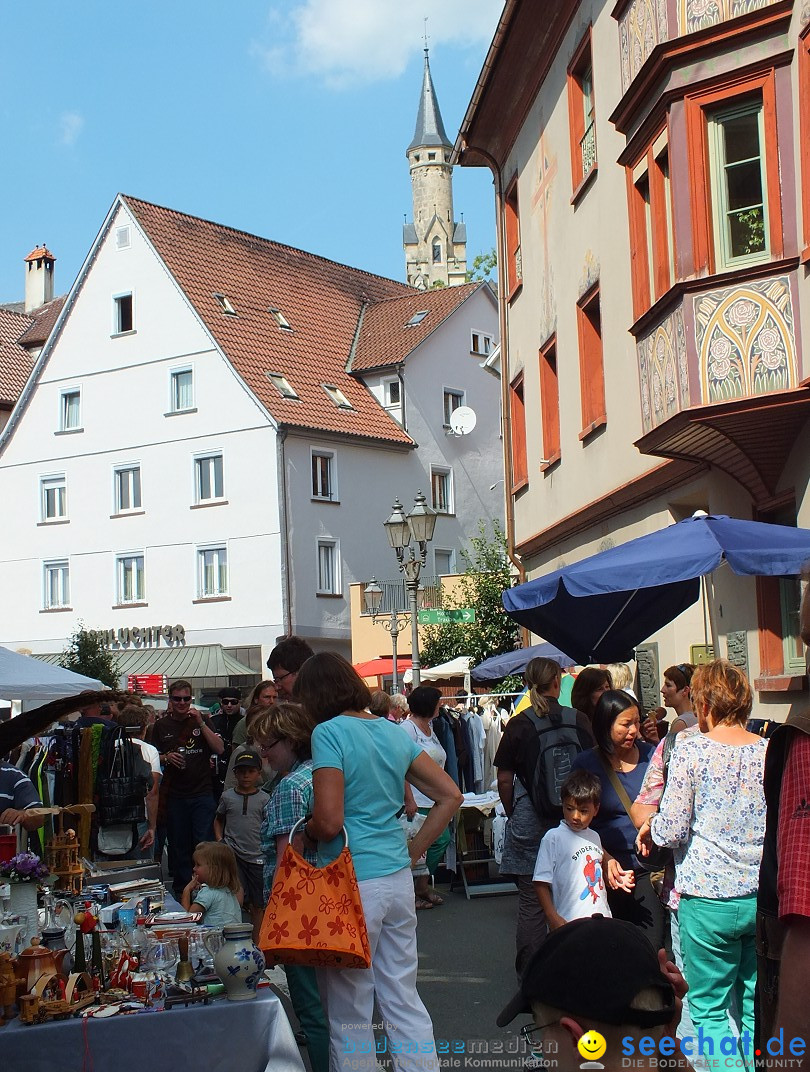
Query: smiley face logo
{"points": [[592, 1045]]}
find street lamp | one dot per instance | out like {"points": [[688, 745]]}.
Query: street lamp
{"points": [[372, 596], [401, 528]]}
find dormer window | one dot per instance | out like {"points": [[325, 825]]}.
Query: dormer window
{"points": [[225, 304], [337, 396], [282, 385], [417, 318], [280, 318]]}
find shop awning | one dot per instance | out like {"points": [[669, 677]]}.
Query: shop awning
{"points": [[382, 667], [192, 661]]}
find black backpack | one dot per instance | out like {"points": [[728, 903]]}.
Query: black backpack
{"points": [[557, 746], [123, 779]]}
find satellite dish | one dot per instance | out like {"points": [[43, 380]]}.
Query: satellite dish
{"points": [[462, 420]]}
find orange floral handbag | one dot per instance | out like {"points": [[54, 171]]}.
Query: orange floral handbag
{"points": [[315, 916]]}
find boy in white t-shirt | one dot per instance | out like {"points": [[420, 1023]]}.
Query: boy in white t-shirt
{"points": [[569, 875]]}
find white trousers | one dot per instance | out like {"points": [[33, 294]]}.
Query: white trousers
{"points": [[348, 994]]}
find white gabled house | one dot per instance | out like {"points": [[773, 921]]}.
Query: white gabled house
{"points": [[213, 434]]}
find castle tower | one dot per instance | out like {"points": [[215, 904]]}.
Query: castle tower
{"points": [[435, 245]]}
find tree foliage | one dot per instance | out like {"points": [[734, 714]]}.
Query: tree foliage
{"points": [[487, 573], [483, 265], [85, 654]]}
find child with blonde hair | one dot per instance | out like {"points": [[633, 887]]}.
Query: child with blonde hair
{"points": [[214, 888]]}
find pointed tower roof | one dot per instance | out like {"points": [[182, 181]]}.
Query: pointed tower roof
{"points": [[429, 126]]}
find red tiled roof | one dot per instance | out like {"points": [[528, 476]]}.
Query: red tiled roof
{"points": [[40, 251], [386, 340], [321, 300], [43, 320], [15, 362]]}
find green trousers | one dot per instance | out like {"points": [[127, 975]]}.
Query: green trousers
{"points": [[718, 943], [435, 853], [306, 1001]]}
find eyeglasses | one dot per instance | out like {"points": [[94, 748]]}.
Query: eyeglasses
{"points": [[180, 699], [277, 678], [269, 745], [531, 1033]]}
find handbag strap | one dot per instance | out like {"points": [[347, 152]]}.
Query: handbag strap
{"points": [[306, 818], [621, 792]]}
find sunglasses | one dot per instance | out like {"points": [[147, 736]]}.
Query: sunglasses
{"points": [[180, 699], [223, 702]]}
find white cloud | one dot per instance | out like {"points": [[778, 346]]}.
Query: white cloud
{"points": [[345, 42], [70, 127]]}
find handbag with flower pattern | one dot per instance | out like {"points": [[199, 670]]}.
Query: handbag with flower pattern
{"points": [[315, 915]]}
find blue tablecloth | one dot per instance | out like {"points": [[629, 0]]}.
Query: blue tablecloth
{"points": [[253, 1036]]}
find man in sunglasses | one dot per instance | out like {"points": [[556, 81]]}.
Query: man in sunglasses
{"points": [[186, 741], [224, 723]]}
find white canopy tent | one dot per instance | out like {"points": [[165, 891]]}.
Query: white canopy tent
{"points": [[25, 678], [457, 669]]}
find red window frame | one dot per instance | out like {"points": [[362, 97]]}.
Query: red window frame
{"points": [[650, 281], [591, 362], [514, 265], [581, 61], [804, 134], [550, 403], [517, 410]]}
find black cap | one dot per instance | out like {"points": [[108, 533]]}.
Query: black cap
{"points": [[229, 692], [249, 758], [594, 968]]}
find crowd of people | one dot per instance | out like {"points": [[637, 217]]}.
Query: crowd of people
{"points": [[630, 841]]}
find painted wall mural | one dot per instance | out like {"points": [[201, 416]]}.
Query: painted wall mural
{"points": [[541, 204], [663, 371], [698, 14], [642, 26], [745, 340]]}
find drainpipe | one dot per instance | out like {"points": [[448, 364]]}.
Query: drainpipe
{"points": [[286, 596], [506, 411]]}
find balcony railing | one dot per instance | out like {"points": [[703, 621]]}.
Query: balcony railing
{"points": [[587, 148], [395, 595]]}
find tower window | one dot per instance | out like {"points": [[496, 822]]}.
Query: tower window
{"points": [[431, 156], [437, 251]]}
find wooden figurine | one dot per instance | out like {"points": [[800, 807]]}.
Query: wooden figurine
{"points": [[8, 987]]}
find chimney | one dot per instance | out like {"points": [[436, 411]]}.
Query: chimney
{"points": [[38, 278]]}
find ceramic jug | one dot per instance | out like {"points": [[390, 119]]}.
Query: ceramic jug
{"points": [[239, 964]]}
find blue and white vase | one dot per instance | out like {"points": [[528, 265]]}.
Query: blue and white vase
{"points": [[239, 964]]}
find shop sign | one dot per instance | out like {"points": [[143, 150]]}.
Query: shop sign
{"points": [[145, 636]]}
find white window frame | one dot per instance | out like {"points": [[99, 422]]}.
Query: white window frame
{"points": [[486, 340], [451, 561], [316, 492], [174, 394], [121, 568], [446, 471], [336, 589], [123, 237], [280, 318], [337, 396], [417, 318], [209, 456], [60, 566], [118, 473], [283, 386], [719, 189], [218, 590], [225, 304], [451, 392], [64, 395], [386, 386], [117, 326], [54, 482]]}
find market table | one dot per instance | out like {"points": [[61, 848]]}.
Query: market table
{"points": [[470, 847], [253, 1036]]}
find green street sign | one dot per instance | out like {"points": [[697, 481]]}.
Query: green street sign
{"points": [[445, 617]]}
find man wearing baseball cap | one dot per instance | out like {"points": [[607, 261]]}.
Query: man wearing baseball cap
{"points": [[238, 823], [600, 997]]}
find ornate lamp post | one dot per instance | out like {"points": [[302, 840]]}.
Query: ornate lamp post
{"points": [[372, 596], [418, 526]]}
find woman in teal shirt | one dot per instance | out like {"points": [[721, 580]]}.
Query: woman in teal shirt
{"points": [[360, 763]]}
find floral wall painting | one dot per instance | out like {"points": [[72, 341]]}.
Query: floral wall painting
{"points": [[698, 14], [663, 372], [746, 341], [642, 26]]}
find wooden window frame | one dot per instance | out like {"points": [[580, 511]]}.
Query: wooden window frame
{"points": [[774, 675], [651, 281], [698, 106], [517, 410], [804, 135], [591, 364], [580, 61], [514, 262], [550, 403]]}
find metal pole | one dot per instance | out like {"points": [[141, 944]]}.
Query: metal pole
{"points": [[394, 626], [416, 666]]}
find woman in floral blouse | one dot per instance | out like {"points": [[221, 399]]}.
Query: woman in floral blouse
{"points": [[713, 815], [283, 734]]}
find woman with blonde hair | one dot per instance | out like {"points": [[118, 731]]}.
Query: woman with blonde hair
{"points": [[517, 758], [713, 815], [283, 733]]}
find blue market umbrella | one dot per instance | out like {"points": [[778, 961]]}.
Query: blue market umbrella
{"points": [[599, 609], [498, 667]]}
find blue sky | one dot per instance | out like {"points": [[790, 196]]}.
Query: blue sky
{"points": [[289, 120]]}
